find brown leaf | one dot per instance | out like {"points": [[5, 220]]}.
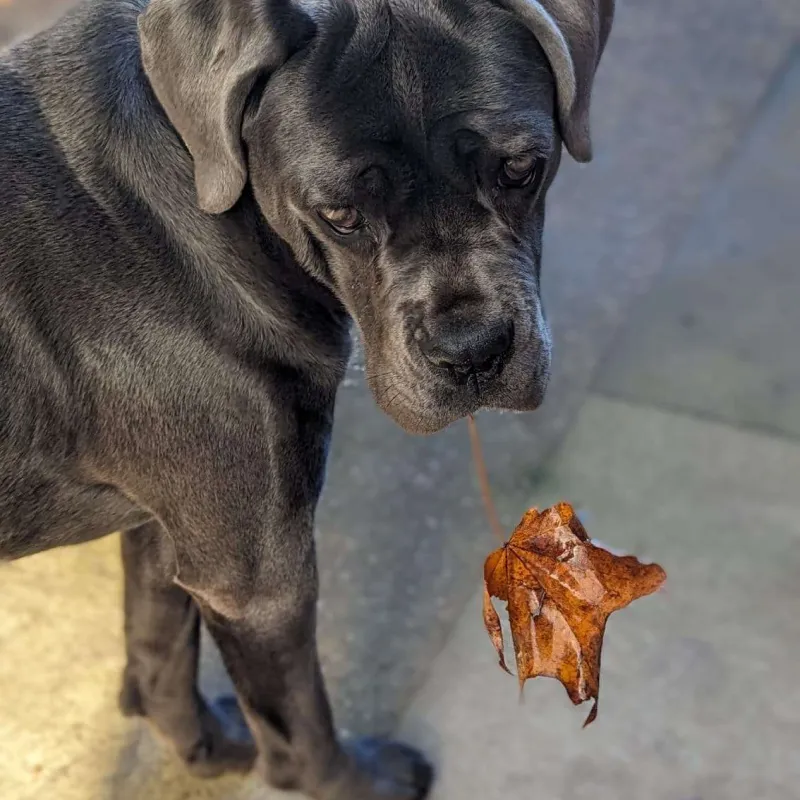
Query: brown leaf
{"points": [[560, 590]]}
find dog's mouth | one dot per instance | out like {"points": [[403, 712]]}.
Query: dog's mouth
{"points": [[421, 416], [427, 399]]}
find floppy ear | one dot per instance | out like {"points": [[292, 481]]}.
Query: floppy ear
{"points": [[573, 34], [203, 59]]}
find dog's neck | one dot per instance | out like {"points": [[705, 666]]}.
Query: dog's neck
{"points": [[259, 283]]}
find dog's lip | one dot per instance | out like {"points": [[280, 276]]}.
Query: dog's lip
{"points": [[445, 414]]}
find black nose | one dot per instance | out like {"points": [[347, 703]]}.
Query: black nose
{"points": [[468, 348]]}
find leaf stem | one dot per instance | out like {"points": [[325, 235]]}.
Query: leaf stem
{"points": [[483, 480]]}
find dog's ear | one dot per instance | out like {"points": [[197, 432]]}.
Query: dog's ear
{"points": [[203, 59], [573, 34]]}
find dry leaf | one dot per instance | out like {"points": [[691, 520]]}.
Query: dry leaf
{"points": [[560, 590]]}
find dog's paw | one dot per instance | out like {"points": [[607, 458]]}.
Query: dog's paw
{"points": [[384, 770], [225, 744]]}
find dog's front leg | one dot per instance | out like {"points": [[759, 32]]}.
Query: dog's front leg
{"points": [[257, 590], [266, 636]]}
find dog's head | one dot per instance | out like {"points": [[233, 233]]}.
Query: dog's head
{"points": [[403, 149]]}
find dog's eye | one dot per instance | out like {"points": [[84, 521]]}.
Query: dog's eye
{"points": [[344, 220], [519, 172]]}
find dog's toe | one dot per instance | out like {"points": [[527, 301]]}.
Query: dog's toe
{"points": [[387, 770]]}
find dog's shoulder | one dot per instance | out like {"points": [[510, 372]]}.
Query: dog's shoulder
{"points": [[83, 77], [34, 178], [57, 108]]}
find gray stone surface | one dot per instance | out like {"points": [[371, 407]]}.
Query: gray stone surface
{"points": [[719, 333], [699, 694]]}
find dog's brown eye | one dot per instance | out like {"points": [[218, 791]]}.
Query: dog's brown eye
{"points": [[518, 172], [343, 220]]}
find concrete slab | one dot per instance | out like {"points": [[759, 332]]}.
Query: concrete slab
{"points": [[699, 696], [718, 334], [61, 735]]}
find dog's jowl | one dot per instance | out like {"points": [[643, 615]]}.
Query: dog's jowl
{"points": [[201, 201]]}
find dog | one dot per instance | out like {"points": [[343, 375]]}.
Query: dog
{"points": [[201, 201]]}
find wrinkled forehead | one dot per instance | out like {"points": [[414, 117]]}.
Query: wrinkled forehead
{"points": [[401, 74]]}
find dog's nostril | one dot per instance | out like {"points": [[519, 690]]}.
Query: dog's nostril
{"points": [[489, 364], [468, 348]]}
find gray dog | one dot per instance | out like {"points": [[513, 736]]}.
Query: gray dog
{"points": [[197, 199]]}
